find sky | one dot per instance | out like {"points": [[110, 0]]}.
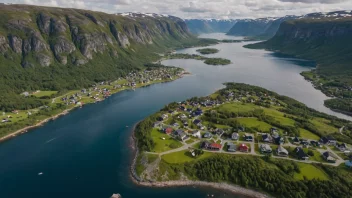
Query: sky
{"points": [[201, 9]]}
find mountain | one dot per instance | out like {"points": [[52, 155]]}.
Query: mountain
{"points": [[322, 37], [250, 27], [198, 26], [61, 49]]}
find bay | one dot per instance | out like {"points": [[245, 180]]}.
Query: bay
{"points": [[87, 153]]}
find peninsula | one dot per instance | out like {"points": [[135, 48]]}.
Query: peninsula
{"points": [[246, 136]]}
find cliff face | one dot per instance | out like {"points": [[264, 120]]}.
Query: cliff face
{"points": [[39, 36], [199, 26], [321, 37], [250, 27]]}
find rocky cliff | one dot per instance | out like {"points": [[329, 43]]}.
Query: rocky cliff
{"points": [[58, 49], [45, 36], [323, 37], [199, 26]]}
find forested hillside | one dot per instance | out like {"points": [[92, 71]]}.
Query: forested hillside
{"points": [[61, 49], [324, 38]]}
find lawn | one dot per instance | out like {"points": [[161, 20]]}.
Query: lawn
{"points": [[163, 145], [255, 123], [44, 93], [308, 135], [323, 126], [238, 107], [310, 172], [183, 156]]}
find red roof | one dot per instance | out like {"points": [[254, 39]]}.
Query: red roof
{"points": [[168, 130], [243, 147], [215, 145]]}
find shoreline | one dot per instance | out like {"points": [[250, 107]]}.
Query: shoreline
{"points": [[235, 189], [67, 111]]}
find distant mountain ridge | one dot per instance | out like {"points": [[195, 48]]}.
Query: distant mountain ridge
{"points": [[198, 26], [262, 27]]}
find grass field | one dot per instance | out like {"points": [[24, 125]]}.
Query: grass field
{"points": [[183, 156], [44, 93], [308, 135], [254, 122], [164, 145], [310, 172], [323, 126]]}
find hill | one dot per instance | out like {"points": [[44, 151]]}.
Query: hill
{"points": [[59, 49], [321, 37]]}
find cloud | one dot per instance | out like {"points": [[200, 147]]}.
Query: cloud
{"points": [[222, 9], [315, 1], [193, 7]]}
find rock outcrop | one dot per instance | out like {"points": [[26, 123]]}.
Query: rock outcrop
{"points": [[43, 36]]}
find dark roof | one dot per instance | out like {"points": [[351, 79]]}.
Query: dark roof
{"points": [[197, 121], [300, 152]]}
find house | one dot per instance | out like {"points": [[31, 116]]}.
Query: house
{"points": [[181, 135], [183, 116], [157, 124], [175, 124], [197, 122], [4, 120], [198, 112], [243, 148], [281, 151], [296, 140], [328, 140], [211, 146], [265, 148], [219, 131], [274, 130], [231, 148], [248, 138], [342, 147], [279, 140], [267, 138], [315, 143], [207, 135], [235, 136], [196, 134], [329, 157], [305, 143], [168, 130], [164, 116], [301, 155]]}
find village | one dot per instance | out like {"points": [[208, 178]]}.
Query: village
{"points": [[186, 132], [56, 103]]}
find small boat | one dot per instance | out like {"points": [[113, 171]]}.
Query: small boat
{"points": [[41, 173], [127, 126]]}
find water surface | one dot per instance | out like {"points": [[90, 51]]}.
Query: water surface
{"points": [[87, 153]]}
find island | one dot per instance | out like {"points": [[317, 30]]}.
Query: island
{"points": [[208, 51], [245, 136], [55, 104], [208, 61]]}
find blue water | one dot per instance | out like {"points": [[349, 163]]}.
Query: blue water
{"points": [[87, 153]]}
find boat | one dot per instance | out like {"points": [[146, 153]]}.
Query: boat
{"points": [[41, 173]]}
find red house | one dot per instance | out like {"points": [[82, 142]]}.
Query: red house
{"points": [[168, 130], [243, 148], [215, 146]]}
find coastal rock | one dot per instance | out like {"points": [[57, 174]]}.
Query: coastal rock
{"points": [[115, 196]]}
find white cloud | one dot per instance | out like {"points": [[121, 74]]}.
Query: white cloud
{"points": [[201, 8]]}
